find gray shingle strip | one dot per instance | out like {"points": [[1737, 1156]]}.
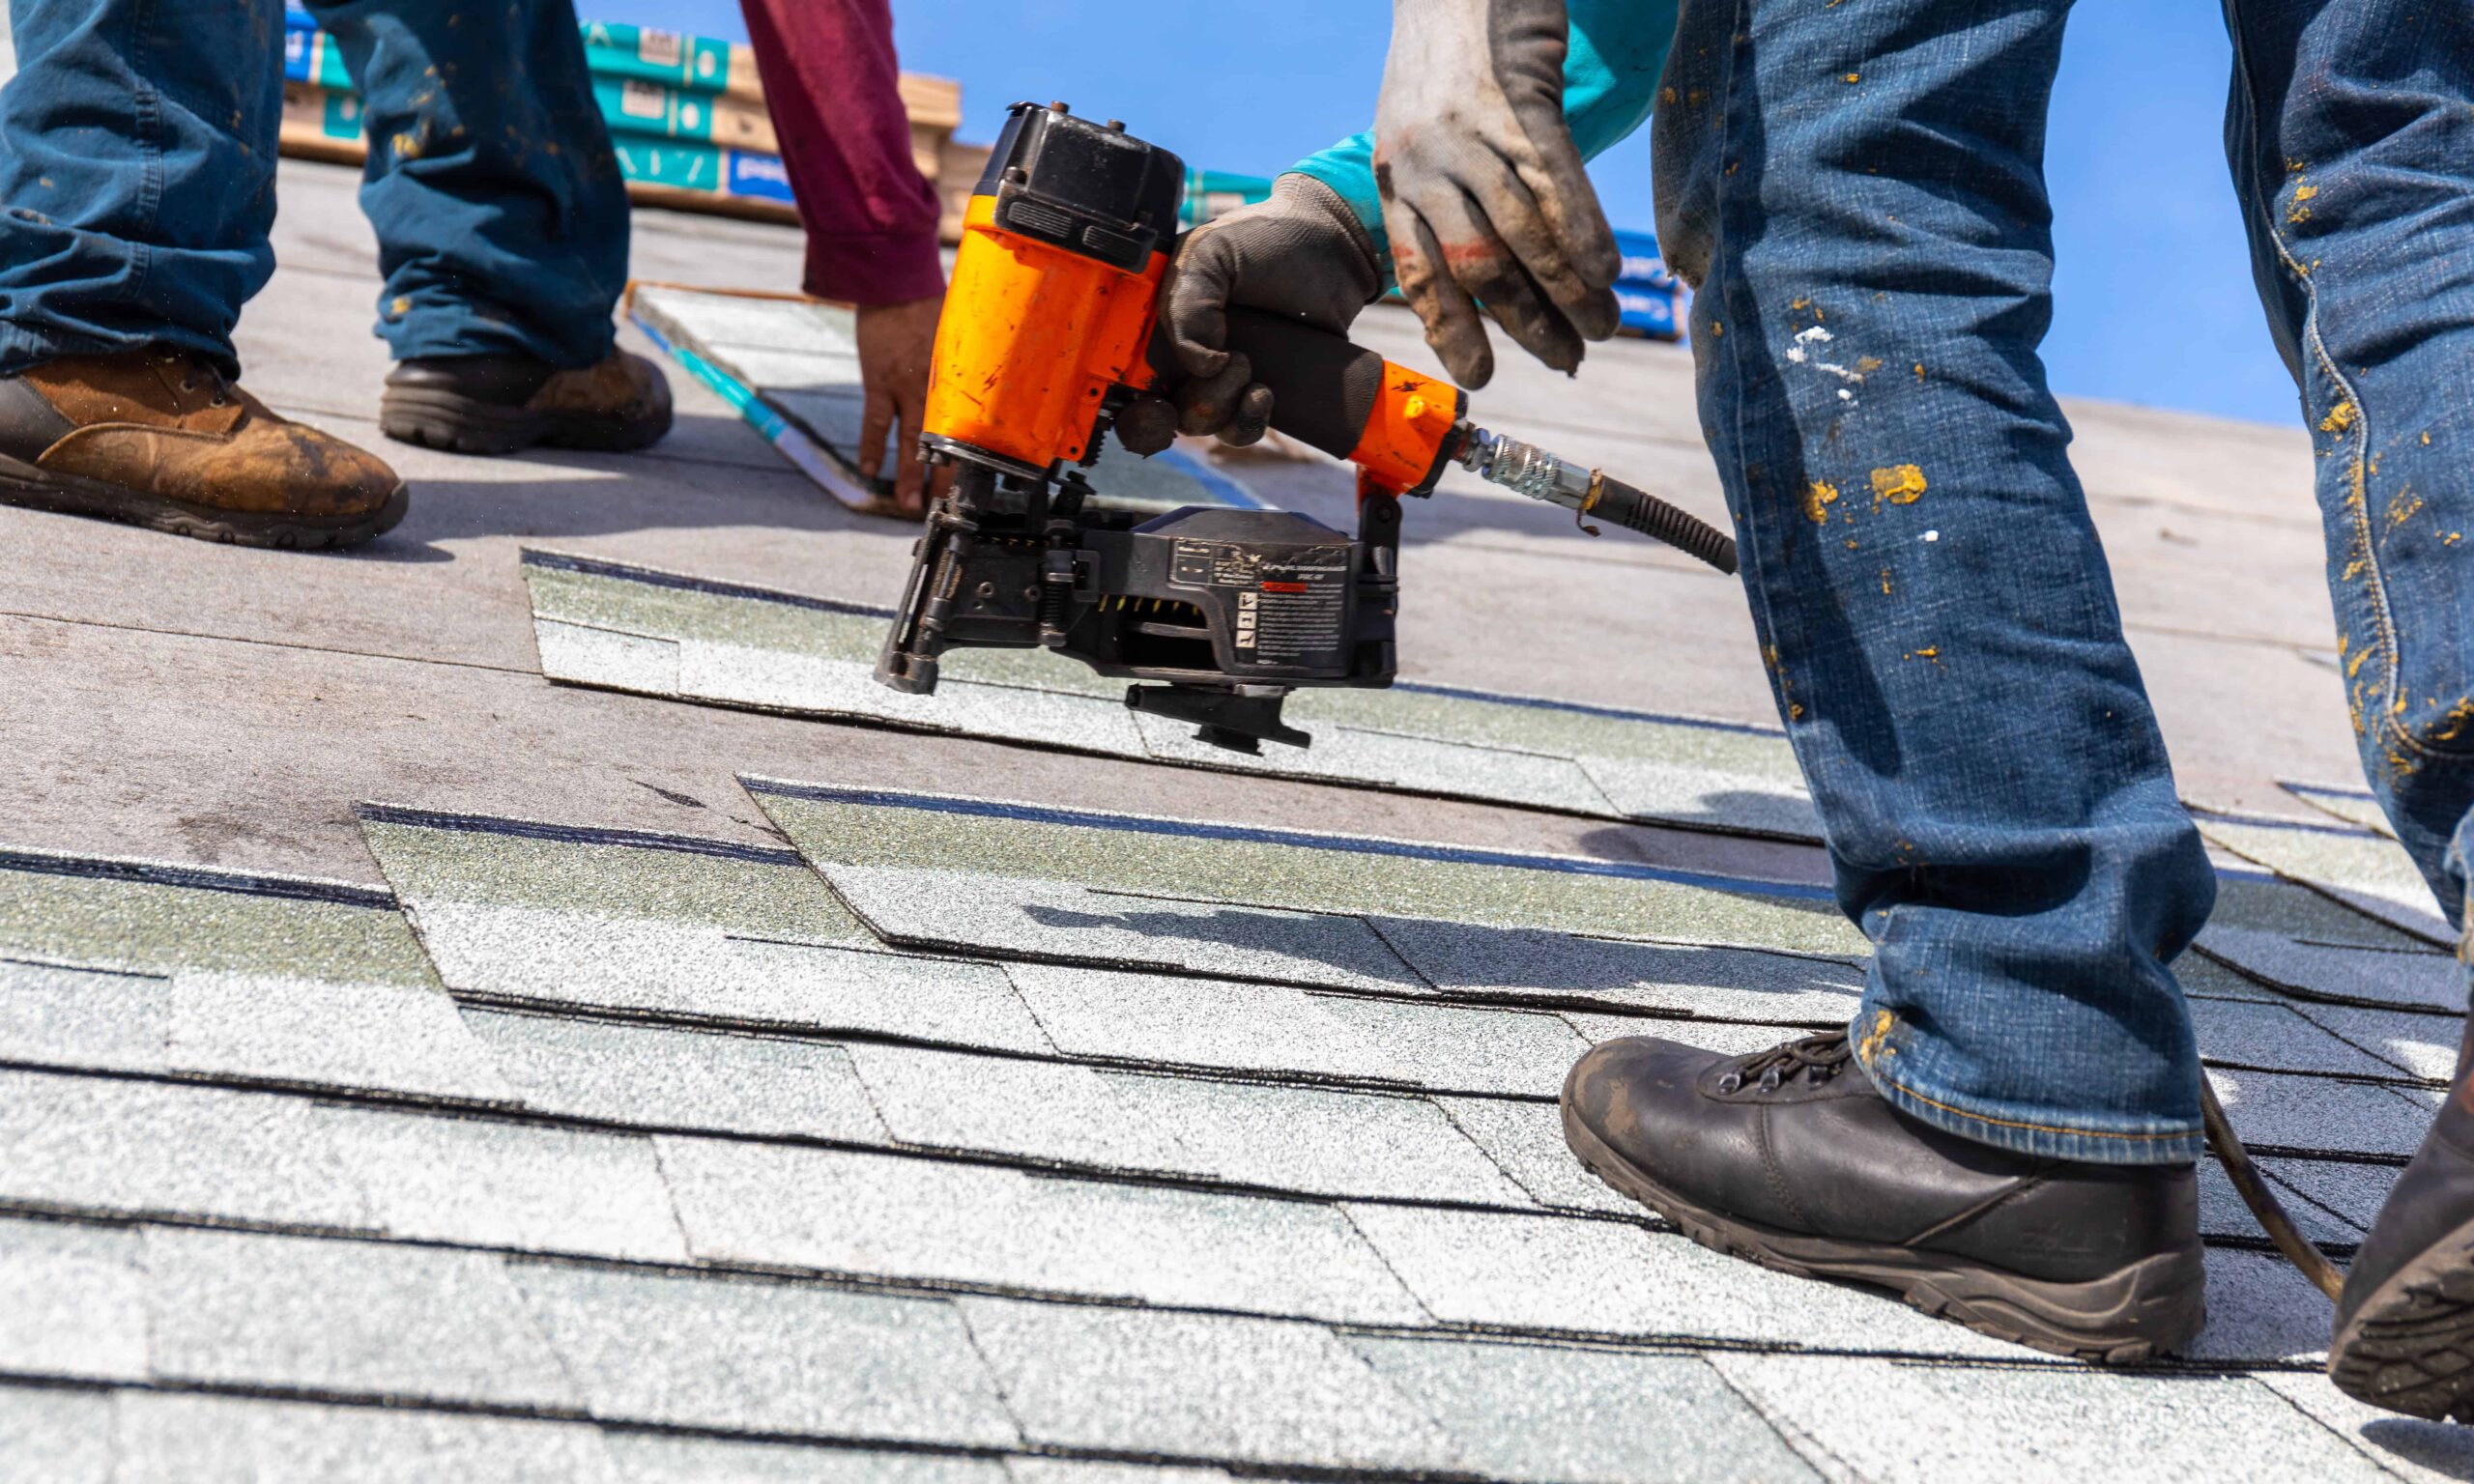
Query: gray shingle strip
{"points": [[838, 828], [2351, 1192], [1277, 1030], [541, 915], [75, 1301], [656, 1076], [400, 1038], [577, 655], [669, 634], [377, 1319], [132, 1147], [1312, 1140], [2280, 1038], [934, 1222], [2421, 1046], [643, 1459], [1075, 1471], [2409, 978], [1200, 1386], [155, 918], [49, 1436], [1534, 1412], [1894, 1422], [2275, 1111], [766, 1357], [1717, 983], [2407, 1447], [2347, 803], [1040, 919], [1608, 1278], [2364, 869]]}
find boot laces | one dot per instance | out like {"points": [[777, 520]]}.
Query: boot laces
{"points": [[1817, 1058], [190, 369]]}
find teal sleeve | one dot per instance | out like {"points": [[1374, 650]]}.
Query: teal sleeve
{"points": [[1610, 80]]}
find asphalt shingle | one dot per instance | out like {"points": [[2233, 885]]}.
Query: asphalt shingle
{"points": [[1595, 1277], [2320, 1115], [1309, 1139], [707, 1080], [1538, 1411], [344, 1317], [1890, 1422], [117, 1146], [1726, 984], [1023, 918], [2277, 1037], [1008, 844], [566, 959], [765, 1357], [2422, 1046], [2364, 868], [1526, 1139], [213, 1440], [1200, 1386], [945, 1221], [643, 1459], [1201, 1023], [75, 1301], [504, 1184], [49, 1436]]}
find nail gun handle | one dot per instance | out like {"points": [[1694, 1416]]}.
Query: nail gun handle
{"points": [[1392, 422]]}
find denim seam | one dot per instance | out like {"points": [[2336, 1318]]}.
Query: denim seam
{"points": [[1885, 1080], [149, 107], [2392, 666]]}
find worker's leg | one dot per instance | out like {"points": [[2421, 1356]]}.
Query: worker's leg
{"points": [[1857, 190], [502, 223], [2351, 137], [1861, 187], [138, 178]]}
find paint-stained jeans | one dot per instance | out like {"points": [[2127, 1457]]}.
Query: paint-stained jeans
{"points": [[1858, 190], [139, 176]]}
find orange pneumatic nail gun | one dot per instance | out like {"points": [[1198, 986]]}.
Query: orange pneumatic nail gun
{"points": [[1047, 334]]}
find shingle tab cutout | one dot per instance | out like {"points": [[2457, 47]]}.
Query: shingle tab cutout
{"points": [[683, 638]]}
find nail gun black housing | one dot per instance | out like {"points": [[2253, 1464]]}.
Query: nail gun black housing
{"points": [[1084, 186]]}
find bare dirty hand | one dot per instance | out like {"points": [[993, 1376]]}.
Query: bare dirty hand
{"points": [[1301, 253], [1485, 197], [896, 342]]}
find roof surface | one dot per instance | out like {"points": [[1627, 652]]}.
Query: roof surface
{"points": [[412, 1068]]}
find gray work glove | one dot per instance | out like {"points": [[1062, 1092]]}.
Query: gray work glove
{"points": [[1485, 197], [1301, 253]]}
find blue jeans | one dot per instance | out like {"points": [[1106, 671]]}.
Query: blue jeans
{"points": [[1858, 192], [138, 177]]}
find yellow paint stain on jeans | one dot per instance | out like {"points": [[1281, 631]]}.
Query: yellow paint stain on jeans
{"points": [[1877, 1034], [1818, 500], [2339, 418], [1901, 484]]}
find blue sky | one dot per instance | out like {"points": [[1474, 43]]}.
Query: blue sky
{"points": [[2154, 297]]}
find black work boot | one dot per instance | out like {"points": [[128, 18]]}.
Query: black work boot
{"points": [[2404, 1335], [500, 404], [1789, 1159]]}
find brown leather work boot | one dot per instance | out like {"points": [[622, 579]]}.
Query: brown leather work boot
{"points": [[158, 437], [500, 404]]}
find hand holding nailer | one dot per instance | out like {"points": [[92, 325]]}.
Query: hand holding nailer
{"points": [[1049, 335]]}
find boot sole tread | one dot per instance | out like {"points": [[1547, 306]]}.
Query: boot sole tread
{"points": [[451, 423], [2409, 1348], [2151, 1308], [32, 488]]}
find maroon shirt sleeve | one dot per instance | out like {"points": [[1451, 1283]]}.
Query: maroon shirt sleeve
{"points": [[833, 87]]}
